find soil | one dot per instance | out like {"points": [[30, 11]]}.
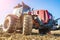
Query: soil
{"points": [[55, 35]]}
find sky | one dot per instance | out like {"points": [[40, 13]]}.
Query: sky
{"points": [[53, 6]]}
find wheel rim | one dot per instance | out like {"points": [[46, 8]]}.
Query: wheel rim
{"points": [[6, 23]]}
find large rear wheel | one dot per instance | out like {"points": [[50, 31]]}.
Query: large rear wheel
{"points": [[9, 24], [27, 24]]}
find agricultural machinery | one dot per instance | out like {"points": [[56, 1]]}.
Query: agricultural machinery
{"points": [[24, 20]]}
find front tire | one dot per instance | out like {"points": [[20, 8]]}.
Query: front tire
{"points": [[44, 31]]}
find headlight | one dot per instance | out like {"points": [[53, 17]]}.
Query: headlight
{"points": [[35, 17]]}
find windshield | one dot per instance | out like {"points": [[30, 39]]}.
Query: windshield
{"points": [[17, 11], [21, 10], [25, 10]]}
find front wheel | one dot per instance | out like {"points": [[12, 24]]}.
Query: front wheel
{"points": [[44, 31]]}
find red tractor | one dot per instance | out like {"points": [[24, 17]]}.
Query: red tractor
{"points": [[24, 20]]}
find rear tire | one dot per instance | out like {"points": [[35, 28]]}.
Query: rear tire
{"points": [[27, 24], [9, 24]]}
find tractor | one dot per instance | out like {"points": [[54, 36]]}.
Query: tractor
{"points": [[23, 20]]}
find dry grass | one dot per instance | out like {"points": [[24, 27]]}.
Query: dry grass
{"points": [[34, 36]]}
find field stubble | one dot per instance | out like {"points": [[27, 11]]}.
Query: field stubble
{"points": [[34, 36]]}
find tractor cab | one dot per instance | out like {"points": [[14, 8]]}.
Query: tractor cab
{"points": [[21, 9]]}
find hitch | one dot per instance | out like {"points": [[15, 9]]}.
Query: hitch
{"points": [[57, 19], [56, 26]]}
